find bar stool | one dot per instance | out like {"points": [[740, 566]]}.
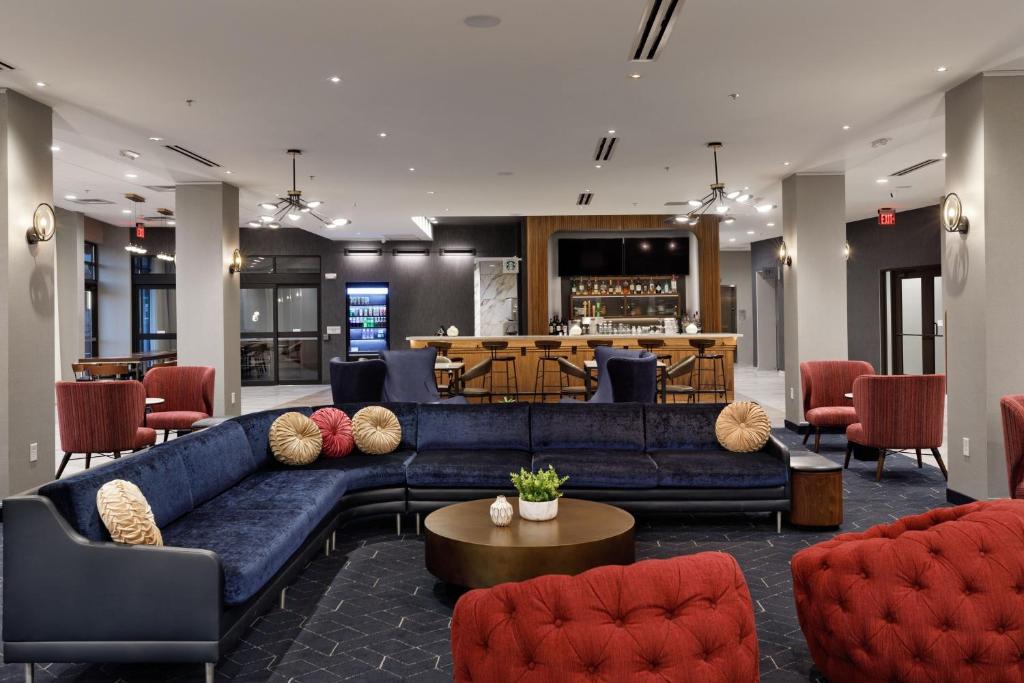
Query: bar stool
{"points": [[443, 386], [594, 343], [709, 362], [507, 365], [651, 345], [546, 364]]}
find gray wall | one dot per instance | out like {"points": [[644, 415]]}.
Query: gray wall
{"points": [[914, 241], [426, 291], [70, 259], [735, 270], [114, 287], [765, 254]]}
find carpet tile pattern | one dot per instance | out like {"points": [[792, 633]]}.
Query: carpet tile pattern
{"points": [[371, 612]]}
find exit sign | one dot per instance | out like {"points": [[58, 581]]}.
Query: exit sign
{"points": [[887, 217], [140, 231]]}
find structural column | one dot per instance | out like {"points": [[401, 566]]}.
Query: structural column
{"points": [[70, 291], [982, 277], [207, 294], [814, 285], [27, 327]]}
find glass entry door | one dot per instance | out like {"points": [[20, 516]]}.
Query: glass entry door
{"points": [[917, 331], [280, 334]]}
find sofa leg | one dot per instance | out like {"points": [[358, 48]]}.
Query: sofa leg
{"points": [[817, 440], [327, 547], [209, 666], [417, 524], [398, 524], [30, 672], [778, 522], [280, 601], [334, 540]]}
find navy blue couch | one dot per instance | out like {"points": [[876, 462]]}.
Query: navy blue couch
{"points": [[238, 526]]}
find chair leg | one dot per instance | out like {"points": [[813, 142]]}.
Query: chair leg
{"points": [[881, 464], [30, 672], [920, 463], [208, 670], [817, 441], [942, 465], [165, 435], [398, 523], [807, 435], [417, 524], [849, 452], [117, 454], [63, 464], [88, 460]]}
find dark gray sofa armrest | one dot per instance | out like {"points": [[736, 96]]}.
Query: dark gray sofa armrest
{"points": [[59, 586], [777, 449]]}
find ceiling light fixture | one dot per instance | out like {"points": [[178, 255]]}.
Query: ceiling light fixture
{"points": [[750, 232], [70, 196], [129, 154], [611, 132], [339, 223], [881, 181], [764, 208], [54, 148], [335, 79], [40, 84], [769, 225], [293, 205], [846, 128], [729, 220], [732, 239], [635, 76], [597, 165], [382, 134], [228, 172], [944, 155], [942, 69], [412, 169], [254, 224], [717, 200], [131, 175], [156, 139], [785, 163]]}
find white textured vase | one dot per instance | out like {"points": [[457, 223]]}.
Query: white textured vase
{"points": [[538, 512], [691, 329], [501, 511], [453, 331]]}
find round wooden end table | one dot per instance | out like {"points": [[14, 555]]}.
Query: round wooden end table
{"points": [[817, 491], [464, 548]]}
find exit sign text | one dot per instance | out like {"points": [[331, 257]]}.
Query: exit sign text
{"points": [[886, 217]]}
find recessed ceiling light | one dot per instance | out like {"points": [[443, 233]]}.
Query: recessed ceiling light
{"points": [[634, 76], [70, 196], [481, 21], [942, 69], [40, 84], [881, 181], [126, 210], [129, 154], [335, 79], [597, 165], [785, 163], [382, 134], [54, 148], [340, 222], [732, 239], [131, 175], [769, 225], [611, 132], [430, 192], [156, 139], [412, 169], [172, 223], [228, 172], [764, 208], [846, 127], [943, 155], [750, 232]]}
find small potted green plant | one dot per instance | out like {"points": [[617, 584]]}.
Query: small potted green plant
{"points": [[538, 493]]}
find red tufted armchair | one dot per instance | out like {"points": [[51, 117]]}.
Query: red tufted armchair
{"points": [[187, 391], [685, 619], [825, 384], [934, 597], [898, 411], [99, 418], [1012, 408]]}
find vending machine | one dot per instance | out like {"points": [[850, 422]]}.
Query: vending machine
{"points": [[369, 327]]}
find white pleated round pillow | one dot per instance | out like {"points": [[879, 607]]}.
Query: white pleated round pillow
{"points": [[126, 514], [743, 427], [295, 439], [376, 430]]}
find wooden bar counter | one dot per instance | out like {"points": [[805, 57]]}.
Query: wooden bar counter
{"points": [[575, 349]]}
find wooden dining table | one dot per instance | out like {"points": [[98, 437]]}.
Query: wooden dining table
{"points": [[137, 361], [454, 370]]}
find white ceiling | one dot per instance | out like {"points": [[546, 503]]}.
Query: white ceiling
{"points": [[531, 96]]}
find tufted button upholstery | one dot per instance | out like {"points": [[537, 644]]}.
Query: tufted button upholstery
{"points": [[933, 597], [685, 619]]}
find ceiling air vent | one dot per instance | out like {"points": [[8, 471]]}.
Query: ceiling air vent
{"points": [[193, 156], [676, 203], [605, 147], [584, 199], [916, 167], [90, 201], [655, 27], [4, 66], [161, 188]]}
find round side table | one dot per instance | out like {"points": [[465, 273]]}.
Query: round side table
{"points": [[817, 491]]}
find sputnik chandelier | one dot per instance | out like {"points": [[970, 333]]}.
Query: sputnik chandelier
{"points": [[293, 206], [718, 201]]}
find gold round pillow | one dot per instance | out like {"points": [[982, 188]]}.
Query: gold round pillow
{"points": [[126, 514], [376, 429], [295, 439], [743, 427]]}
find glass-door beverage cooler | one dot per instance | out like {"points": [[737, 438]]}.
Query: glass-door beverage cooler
{"points": [[368, 330]]}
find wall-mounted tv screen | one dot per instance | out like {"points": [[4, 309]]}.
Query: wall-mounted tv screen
{"points": [[593, 257], [657, 256]]}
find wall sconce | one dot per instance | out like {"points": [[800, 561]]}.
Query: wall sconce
{"points": [[784, 258], [450, 252], [953, 218], [846, 250], [44, 223], [357, 251], [236, 262]]}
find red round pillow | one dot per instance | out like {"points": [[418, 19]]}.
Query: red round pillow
{"points": [[336, 430]]}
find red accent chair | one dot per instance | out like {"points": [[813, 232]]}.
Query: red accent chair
{"points": [[825, 383], [100, 418], [187, 391], [1012, 408], [689, 618], [933, 597], [897, 412]]}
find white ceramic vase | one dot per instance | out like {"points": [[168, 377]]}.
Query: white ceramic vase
{"points": [[691, 329], [501, 511], [538, 512], [453, 331]]}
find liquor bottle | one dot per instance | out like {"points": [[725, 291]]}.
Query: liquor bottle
{"points": [[551, 326], [573, 286], [674, 285], [657, 288]]}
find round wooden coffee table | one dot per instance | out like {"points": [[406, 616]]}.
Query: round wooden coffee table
{"points": [[464, 548]]}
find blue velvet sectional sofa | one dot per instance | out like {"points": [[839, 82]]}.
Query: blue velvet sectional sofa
{"points": [[238, 526]]}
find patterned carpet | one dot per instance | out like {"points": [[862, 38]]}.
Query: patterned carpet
{"points": [[371, 612]]}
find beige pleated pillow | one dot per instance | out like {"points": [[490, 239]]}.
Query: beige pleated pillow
{"points": [[295, 439], [743, 427], [377, 431], [126, 514]]}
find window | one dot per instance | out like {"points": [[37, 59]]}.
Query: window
{"points": [[154, 305], [90, 302]]}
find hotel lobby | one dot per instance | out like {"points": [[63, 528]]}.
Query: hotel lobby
{"points": [[649, 340]]}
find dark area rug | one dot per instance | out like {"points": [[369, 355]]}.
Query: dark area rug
{"points": [[371, 611]]}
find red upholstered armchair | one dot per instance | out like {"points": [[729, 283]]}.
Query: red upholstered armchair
{"points": [[896, 412], [101, 418], [933, 597], [825, 383], [1012, 408], [685, 619], [188, 396]]}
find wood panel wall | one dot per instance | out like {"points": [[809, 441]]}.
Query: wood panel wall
{"points": [[539, 230]]}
